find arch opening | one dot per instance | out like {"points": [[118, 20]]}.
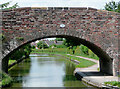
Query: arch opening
{"points": [[106, 63]]}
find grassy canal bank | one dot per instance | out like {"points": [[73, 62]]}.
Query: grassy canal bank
{"points": [[82, 62]]}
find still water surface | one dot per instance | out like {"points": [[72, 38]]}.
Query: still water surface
{"points": [[44, 70]]}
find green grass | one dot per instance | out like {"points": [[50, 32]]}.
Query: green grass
{"points": [[83, 55], [61, 51], [113, 83], [11, 61], [83, 62]]}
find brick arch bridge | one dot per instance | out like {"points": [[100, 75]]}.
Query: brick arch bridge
{"points": [[97, 29]]}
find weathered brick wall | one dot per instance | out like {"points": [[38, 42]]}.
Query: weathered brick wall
{"points": [[94, 26]]}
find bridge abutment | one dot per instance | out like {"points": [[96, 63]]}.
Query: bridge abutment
{"points": [[106, 66], [5, 65]]}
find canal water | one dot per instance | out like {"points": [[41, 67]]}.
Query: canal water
{"points": [[45, 70]]}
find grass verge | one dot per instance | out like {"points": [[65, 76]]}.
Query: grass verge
{"points": [[11, 62]]}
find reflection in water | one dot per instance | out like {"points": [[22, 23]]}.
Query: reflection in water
{"points": [[45, 71]]}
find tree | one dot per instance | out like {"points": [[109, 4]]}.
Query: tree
{"points": [[59, 39], [71, 44], [41, 45], [27, 50], [113, 6], [5, 5], [23, 51], [84, 49]]}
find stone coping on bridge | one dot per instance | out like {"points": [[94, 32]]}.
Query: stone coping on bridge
{"points": [[54, 8], [62, 8]]}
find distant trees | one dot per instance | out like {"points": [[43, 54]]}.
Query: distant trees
{"points": [[113, 6], [71, 44], [59, 39], [42, 45]]}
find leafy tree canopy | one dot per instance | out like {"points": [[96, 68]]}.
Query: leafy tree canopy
{"points": [[6, 5], [71, 44], [59, 39], [113, 6], [41, 45]]}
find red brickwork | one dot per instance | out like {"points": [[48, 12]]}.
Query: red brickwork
{"points": [[96, 27]]}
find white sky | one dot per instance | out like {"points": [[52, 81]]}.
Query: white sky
{"points": [[98, 4]]}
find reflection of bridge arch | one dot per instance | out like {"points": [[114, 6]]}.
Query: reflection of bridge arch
{"points": [[96, 29]]}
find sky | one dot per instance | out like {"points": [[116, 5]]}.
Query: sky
{"points": [[98, 4]]}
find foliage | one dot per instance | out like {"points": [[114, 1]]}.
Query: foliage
{"points": [[59, 39], [113, 83], [33, 47], [17, 54], [53, 46], [27, 50], [6, 79], [71, 44], [113, 6], [24, 51], [57, 46], [77, 51], [91, 54], [5, 5], [11, 62], [84, 49], [42, 45]]}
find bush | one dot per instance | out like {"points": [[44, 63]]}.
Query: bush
{"points": [[90, 53], [33, 47], [53, 46], [77, 51], [84, 49], [41, 45], [6, 79], [24, 51]]}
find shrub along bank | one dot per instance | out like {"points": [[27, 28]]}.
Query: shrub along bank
{"points": [[5, 79], [14, 58]]}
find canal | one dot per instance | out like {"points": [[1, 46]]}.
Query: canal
{"points": [[43, 70]]}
